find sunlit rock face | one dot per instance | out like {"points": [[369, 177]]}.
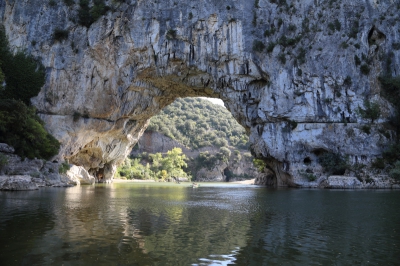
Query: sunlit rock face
{"points": [[296, 99]]}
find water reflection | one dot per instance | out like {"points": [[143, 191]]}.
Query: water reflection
{"points": [[137, 224]]}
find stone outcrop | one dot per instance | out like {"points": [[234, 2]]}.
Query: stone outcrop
{"points": [[17, 182], [26, 174], [288, 71], [80, 176]]}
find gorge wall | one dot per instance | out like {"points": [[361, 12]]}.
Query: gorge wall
{"points": [[291, 72]]}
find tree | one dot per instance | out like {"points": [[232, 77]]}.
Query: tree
{"points": [[371, 110]]}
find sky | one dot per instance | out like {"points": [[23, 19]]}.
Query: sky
{"points": [[215, 101]]}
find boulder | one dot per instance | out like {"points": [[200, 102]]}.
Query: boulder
{"points": [[79, 176]]}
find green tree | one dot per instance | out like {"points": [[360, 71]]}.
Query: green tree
{"points": [[21, 128], [371, 110]]}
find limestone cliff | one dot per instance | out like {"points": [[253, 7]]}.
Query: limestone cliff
{"points": [[291, 72]]}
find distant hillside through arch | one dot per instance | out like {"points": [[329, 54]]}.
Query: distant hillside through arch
{"points": [[214, 144]]}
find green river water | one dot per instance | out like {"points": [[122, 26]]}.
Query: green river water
{"points": [[215, 224]]}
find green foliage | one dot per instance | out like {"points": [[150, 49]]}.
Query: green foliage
{"points": [[365, 69], [309, 176], [284, 41], [366, 129], [22, 129], [371, 110], [292, 27], [292, 124], [378, 163], [3, 161], [69, 2], [269, 32], [171, 34], [160, 166], [23, 75], [301, 56], [270, 47], [354, 29], [282, 58], [224, 154], [60, 34], [344, 45], [395, 172], [357, 60], [259, 164], [63, 168], [258, 46], [337, 24], [196, 123], [87, 15], [254, 21], [333, 163], [347, 81]]}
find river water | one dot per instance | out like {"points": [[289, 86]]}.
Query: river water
{"points": [[215, 224]]}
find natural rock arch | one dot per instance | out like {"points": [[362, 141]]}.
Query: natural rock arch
{"points": [[104, 82]]}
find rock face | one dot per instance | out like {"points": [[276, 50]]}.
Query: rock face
{"points": [[293, 74], [25, 174], [18, 182]]}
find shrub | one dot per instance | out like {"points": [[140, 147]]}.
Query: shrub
{"points": [[371, 110], [21, 128], [23, 75], [84, 13], [269, 32], [171, 34], [378, 163], [52, 3], [347, 81], [365, 69], [357, 60], [3, 161], [337, 24], [395, 173], [282, 58], [333, 163], [270, 47], [366, 129], [99, 9], [258, 46], [63, 168], [259, 164], [69, 2], [301, 56], [292, 27], [60, 34]]}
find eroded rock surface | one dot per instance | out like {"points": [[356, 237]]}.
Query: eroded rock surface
{"points": [[295, 98]]}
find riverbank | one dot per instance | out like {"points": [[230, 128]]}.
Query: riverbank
{"points": [[245, 182]]}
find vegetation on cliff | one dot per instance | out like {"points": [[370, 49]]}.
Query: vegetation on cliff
{"points": [[198, 123], [155, 166], [21, 78]]}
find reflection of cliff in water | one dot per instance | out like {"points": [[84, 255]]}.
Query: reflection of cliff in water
{"points": [[24, 219], [323, 228]]}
